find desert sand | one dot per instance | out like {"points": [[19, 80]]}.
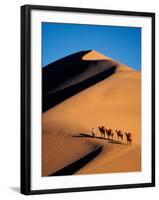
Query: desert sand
{"points": [[114, 102]]}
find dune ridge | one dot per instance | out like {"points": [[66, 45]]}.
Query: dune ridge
{"points": [[72, 74], [113, 101]]}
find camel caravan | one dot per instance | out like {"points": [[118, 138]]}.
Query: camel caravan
{"points": [[110, 134]]}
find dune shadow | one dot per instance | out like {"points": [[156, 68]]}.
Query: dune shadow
{"points": [[64, 70], [77, 165]]}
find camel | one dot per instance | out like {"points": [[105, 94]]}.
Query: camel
{"points": [[102, 131], [128, 137], [109, 133], [119, 134]]}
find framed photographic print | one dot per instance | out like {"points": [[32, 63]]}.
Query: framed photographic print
{"points": [[87, 99]]}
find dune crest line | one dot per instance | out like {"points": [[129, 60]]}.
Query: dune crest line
{"points": [[72, 74]]}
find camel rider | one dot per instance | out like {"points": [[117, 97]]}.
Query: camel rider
{"points": [[93, 134]]}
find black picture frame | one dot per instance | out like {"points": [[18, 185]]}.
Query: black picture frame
{"points": [[26, 98]]}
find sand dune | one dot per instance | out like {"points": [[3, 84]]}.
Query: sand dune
{"points": [[113, 101], [72, 74]]}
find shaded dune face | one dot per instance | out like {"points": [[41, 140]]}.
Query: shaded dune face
{"points": [[100, 92], [72, 74]]}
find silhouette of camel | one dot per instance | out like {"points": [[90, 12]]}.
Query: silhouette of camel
{"points": [[102, 131], [128, 137], [109, 133], [119, 134]]}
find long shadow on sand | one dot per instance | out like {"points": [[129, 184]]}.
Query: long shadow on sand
{"points": [[77, 165], [117, 142], [86, 135], [89, 136]]}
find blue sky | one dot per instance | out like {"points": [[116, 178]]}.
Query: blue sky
{"points": [[119, 43]]}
